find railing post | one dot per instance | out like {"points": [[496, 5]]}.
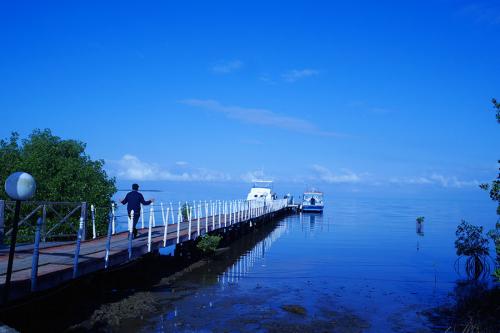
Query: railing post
{"points": [[163, 213], [79, 238], [84, 217], [171, 213], [189, 214], [218, 210], [113, 222], [225, 213], [179, 218], [108, 240], [231, 212], [165, 222], [92, 211], [44, 225], [142, 216], [130, 233], [154, 218], [206, 216], [2, 221], [36, 254], [212, 206], [151, 218], [198, 224]]}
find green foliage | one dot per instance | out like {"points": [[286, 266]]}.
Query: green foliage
{"points": [[420, 219], [208, 244], [62, 170], [472, 244], [496, 106], [494, 192]]}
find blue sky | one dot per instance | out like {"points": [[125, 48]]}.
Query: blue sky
{"points": [[358, 94]]}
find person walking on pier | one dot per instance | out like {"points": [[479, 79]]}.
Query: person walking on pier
{"points": [[134, 199]]}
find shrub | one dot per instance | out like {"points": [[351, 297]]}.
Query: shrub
{"points": [[208, 244], [472, 244]]}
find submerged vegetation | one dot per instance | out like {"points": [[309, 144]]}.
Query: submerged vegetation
{"points": [[472, 244], [477, 306]]}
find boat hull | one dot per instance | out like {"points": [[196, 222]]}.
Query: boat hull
{"points": [[312, 208]]}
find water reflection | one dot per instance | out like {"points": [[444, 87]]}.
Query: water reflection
{"points": [[245, 263], [312, 223], [364, 264], [419, 227]]}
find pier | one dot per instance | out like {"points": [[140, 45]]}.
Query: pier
{"points": [[43, 265]]}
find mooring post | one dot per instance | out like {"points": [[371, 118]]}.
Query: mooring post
{"points": [[92, 211], [2, 220], [79, 238], [151, 217], [84, 217], [114, 218], [36, 254], [108, 240], [130, 233]]}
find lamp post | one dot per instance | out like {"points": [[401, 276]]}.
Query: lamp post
{"points": [[19, 186]]}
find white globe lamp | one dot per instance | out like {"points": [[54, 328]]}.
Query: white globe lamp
{"points": [[20, 186]]}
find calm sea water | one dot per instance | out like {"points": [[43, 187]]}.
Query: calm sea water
{"points": [[359, 266]]}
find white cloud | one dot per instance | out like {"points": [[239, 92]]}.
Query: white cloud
{"points": [[326, 175], [250, 176], [435, 179], [259, 117], [132, 168], [227, 67], [297, 74]]}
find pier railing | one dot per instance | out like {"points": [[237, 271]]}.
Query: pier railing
{"points": [[160, 225], [60, 220]]}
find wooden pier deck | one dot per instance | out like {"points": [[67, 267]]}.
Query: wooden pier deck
{"points": [[57, 260]]}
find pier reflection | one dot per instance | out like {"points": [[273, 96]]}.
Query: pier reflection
{"points": [[244, 264]]}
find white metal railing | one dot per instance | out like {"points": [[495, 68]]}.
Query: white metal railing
{"points": [[215, 215], [199, 216]]}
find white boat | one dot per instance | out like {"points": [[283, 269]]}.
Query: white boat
{"points": [[262, 190], [312, 201]]}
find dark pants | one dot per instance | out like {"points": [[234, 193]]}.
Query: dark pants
{"points": [[136, 219]]}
